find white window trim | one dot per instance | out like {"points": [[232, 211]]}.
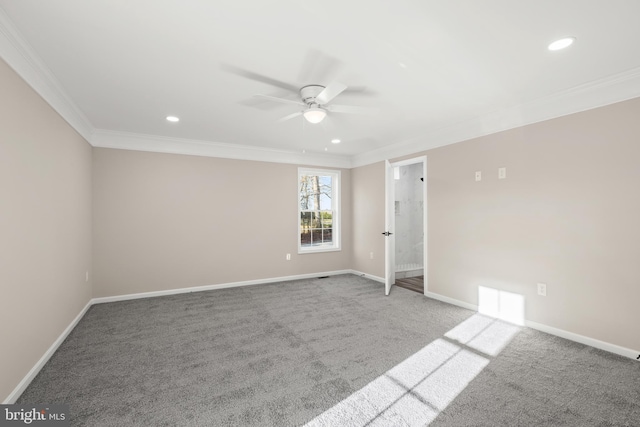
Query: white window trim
{"points": [[335, 203]]}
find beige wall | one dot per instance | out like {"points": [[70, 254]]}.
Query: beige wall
{"points": [[368, 219], [164, 221], [45, 227], [567, 215]]}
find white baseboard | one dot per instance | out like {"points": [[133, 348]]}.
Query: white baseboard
{"points": [[452, 301], [218, 286], [602, 345], [367, 276], [21, 387]]}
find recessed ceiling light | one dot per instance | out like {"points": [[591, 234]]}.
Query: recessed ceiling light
{"points": [[173, 119], [562, 43], [335, 141]]}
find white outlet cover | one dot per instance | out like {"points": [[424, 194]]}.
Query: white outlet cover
{"points": [[542, 289], [478, 175], [502, 173]]}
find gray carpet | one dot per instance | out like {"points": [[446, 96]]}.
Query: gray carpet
{"points": [[331, 351]]}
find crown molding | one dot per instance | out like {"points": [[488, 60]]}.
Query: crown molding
{"points": [[16, 52], [598, 93], [160, 144]]}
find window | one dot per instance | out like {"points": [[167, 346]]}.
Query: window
{"points": [[318, 210]]}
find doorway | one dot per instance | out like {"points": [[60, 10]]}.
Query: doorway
{"points": [[406, 220]]}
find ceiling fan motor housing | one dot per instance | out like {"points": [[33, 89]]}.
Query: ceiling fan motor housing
{"points": [[308, 93]]}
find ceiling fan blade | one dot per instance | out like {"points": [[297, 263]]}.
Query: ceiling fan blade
{"points": [[282, 100], [334, 89], [258, 77], [289, 117], [266, 104], [351, 109], [359, 91], [318, 67]]}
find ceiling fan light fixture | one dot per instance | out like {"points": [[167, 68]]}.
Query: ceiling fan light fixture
{"points": [[314, 114]]}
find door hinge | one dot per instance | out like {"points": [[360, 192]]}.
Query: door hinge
{"points": [[387, 233]]}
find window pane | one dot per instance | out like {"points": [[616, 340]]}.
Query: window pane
{"points": [[307, 201], [305, 238], [316, 237], [315, 192], [325, 201], [327, 235], [315, 219], [308, 189], [326, 190], [325, 181], [305, 221], [327, 219]]}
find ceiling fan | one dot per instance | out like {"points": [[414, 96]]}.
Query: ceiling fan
{"points": [[315, 98], [316, 102]]}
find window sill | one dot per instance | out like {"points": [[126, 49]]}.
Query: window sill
{"points": [[318, 250]]}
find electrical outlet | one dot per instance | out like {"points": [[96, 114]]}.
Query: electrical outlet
{"points": [[370, 255], [502, 173], [542, 289], [288, 257], [478, 175]]}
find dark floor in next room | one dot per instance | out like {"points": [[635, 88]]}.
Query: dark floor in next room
{"points": [[415, 284]]}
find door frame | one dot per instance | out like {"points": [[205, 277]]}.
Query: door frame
{"points": [[390, 209]]}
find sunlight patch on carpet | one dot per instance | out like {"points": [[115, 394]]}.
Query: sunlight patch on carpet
{"points": [[416, 390], [484, 334]]}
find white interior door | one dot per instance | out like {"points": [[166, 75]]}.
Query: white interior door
{"points": [[390, 217]]}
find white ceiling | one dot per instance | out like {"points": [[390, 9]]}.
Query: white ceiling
{"points": [[438, 71]]}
